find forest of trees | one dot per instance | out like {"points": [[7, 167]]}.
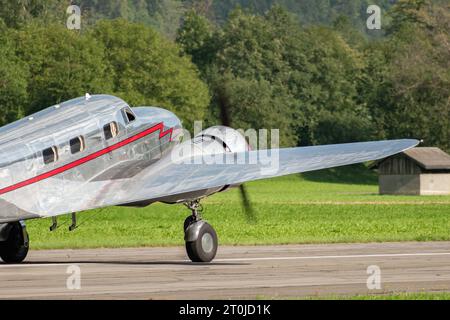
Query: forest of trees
{"points": [[307, 67]]}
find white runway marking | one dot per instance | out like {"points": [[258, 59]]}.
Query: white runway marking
{"points": [[356, 256], [388, 255]]}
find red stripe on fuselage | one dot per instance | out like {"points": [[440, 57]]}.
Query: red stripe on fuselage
{"points": [[159, 127]]}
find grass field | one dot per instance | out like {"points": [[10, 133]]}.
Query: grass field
{"points": [[396, 296], [340, 205]]}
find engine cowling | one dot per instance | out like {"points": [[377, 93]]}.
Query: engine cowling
{"points": [[214, 140], [219, 139]]}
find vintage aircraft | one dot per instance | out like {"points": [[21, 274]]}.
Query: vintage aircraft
{"points": [[96, 151]]}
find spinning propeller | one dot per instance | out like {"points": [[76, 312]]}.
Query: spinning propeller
{"points": [[224, 104]]}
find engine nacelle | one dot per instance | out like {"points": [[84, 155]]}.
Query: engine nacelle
{"points": [[219, 139], [214, 140]]}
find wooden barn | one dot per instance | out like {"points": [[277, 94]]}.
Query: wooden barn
{"points": [[418, 171]]}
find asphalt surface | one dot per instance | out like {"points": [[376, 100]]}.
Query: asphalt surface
{"points": [[238, 272]]}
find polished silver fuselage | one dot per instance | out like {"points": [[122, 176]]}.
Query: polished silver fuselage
{"points": [[30, 188], [136, 162]]}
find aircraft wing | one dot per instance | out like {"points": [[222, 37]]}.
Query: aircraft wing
{"points": [[171, 179], [174, 181]]}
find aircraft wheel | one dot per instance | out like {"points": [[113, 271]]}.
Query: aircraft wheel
{"points": [[204, 248], [189, 220], [15, 248]]}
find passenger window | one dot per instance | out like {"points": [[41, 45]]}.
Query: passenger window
{"points": [[50, 155], [77, 145], [128, 115], [110, 130]]}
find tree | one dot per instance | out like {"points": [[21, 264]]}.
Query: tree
{"points": [[164, 16], [13, 79], [20, 12], [406, 12], [248, 62], [413, 90], [149, 70], [196, 36], [63, 64], [279, 75], [354, 37], [308, 12], [336, 114]]}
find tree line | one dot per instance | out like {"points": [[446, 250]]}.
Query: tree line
{"points": [[317, 82]]}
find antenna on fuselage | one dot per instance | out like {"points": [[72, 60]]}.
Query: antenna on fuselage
{"points": [[87, 96]]}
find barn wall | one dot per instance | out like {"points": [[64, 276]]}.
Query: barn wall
{"points": [[399, 184], [435, 184], [399, 165]]}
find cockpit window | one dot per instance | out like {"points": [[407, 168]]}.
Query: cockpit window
{"points": [[50, 155], [111, 130], [128, 115]]}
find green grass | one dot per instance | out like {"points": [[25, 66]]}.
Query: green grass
{"points": [[396, 296], [406, 296], [294, 209]]}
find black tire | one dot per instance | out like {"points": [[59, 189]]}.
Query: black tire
{"points": [[204, 249], [15, 249], [189, 220]]}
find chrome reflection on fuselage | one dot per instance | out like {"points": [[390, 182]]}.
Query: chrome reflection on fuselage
{"points": [[58, 150]]}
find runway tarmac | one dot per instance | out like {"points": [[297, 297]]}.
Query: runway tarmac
{"points": [[238, 272]]}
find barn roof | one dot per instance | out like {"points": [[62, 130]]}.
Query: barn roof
{"points": [[426, 158], [429, 158]]}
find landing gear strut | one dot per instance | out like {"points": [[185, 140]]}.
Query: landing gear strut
{"points": [[13, 242], [201, 239]]}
